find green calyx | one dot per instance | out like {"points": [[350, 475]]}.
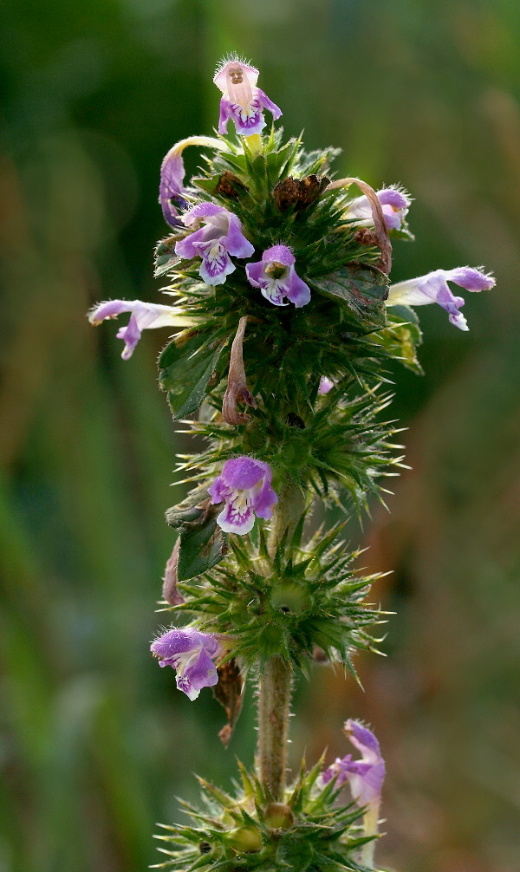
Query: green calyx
{"points": [[242, 831], [302, 599]]}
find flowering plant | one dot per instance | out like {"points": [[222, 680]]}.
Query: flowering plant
{"points": [[287, 322]]}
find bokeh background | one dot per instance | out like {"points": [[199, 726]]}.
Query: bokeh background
{"points": [[95, 741]]}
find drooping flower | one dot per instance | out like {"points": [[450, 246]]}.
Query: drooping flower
{"points": [[277, 279], [365, 776], [326, 385], [171, 186], [394, 203], [191, 654], [242, 101], [245, 486], [433, 288], [220, 236], [144, 316]]}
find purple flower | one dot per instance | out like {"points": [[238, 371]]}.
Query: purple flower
{"points": [[326, 385], [145, 316], [242, 101], [277, 279], [365, 776], [394, 203], [171, 186], [245, 487], [191, 654], [433, 288], [220, 236]]}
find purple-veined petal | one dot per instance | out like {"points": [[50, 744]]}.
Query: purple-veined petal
{"points": [[216, 263], [144, 316], [255, 273], [236, 518]]}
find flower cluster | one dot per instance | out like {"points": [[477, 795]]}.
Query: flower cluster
{"points": [[364, 776]]}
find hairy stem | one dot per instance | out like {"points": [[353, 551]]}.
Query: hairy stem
{"points": [[274, 698], [275, 682]]}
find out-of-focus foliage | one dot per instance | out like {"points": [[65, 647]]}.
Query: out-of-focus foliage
{"points": [[95, 740]]}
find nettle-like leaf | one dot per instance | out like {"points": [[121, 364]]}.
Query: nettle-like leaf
{"points": [[362, 287], [202, 544], [185, 371]]}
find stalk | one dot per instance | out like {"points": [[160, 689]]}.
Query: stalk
{"points": [[274, 699], [275, 682]]}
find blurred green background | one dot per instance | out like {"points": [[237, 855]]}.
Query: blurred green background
{"points": [[95, 741]]}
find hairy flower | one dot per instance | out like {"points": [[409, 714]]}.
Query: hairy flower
{"points": [[365, 776], [171, 186], [277, 279], [220, 236], [394, 203], [191, 654], [242, 101], [245, 486], [433, 288], [144, 316]]}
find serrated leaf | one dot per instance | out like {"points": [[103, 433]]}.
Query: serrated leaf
{"points": [[202, 546], [185, 372], [362, 287]]}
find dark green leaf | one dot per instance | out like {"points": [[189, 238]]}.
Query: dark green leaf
{"points": [[185, 372], [364, 288], [201, 548]]}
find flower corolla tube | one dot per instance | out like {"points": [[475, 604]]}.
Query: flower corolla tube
{"points": [[144, 316], [433, 288]]}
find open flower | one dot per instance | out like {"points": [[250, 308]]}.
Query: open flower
{"points": [[145, 316], [191, 654], [171, 186], [220, 236], [433, 288], [365, 776], [394, 203], [245, 487], [242, 101], [277, 279]]}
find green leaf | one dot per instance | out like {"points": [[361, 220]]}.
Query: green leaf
{"points": [[362, 287], [201, 548], [185, 372], [165, 257]]}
